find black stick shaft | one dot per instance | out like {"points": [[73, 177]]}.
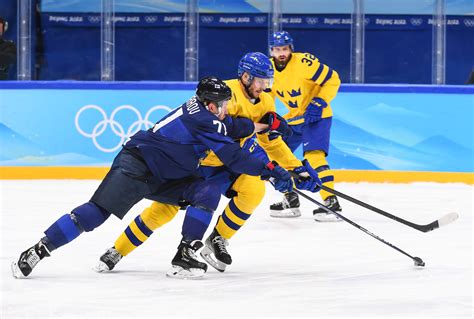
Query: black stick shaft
{"points": [[353, 224], [423, 228]]}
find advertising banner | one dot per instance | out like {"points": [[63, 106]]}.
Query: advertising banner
{"points": [[405, 128]]}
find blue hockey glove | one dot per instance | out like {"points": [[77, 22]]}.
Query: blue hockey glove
{"points": [[314, 110], [309, 179], [277, 125], [278, 177]]}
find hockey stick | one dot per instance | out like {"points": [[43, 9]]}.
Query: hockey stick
{"points": [[445, 220], [417, 260]]}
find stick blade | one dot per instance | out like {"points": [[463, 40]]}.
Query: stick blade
{"points": [[447, 219]]}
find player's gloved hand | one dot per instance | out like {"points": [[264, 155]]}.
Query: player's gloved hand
{"points": [[308, 178], [278, 177], [314, 110], [277, 125]]}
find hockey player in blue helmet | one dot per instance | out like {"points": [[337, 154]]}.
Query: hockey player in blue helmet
{"points": [[255, 72], [248, 101], [309, 116], [281, 47], [280, 39]]}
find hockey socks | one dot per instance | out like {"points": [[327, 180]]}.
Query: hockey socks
{"points": [[195, 223], [69, 226]]}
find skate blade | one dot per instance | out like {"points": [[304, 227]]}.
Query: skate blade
{"points": [[287, 213], [101, 267], [326, 218], [207, 255], [16, 272], [178, 272]]}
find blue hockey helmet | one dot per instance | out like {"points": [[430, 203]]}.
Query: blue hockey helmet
{"points": [[256, 64], [281, 38]]}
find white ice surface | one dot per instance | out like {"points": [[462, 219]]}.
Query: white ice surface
{"points": [[282, 268]]}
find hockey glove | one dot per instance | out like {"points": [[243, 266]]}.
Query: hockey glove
{"points": [[277, 125], [308, 178], [314, 110], [278, 177]]}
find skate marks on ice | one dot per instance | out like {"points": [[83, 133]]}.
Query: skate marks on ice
{"points": [[281, 267]]}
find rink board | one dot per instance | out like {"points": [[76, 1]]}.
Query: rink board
{"points": [[28, 172], [380, 133]]}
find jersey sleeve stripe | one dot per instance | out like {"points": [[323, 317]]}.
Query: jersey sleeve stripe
{"points": [[328, 76], [318, 72]]}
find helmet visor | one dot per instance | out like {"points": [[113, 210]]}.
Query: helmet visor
{"points": [[263, 83]]}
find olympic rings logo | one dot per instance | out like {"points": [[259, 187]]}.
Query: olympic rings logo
{"points": [[207, 19], [93, 19], [416, 21], [116, 126], [469, 22], [151, 19]]}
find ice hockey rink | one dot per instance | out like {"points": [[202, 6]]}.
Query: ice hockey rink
{"points": [[282, 267]]}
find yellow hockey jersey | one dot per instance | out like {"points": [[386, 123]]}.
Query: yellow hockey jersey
{"points": [[303, 78], [241, 106]]}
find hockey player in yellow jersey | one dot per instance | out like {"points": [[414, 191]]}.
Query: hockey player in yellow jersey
{"points": [[306, 87], [248, 100]]}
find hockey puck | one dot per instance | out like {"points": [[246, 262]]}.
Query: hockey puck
{"points": [[419, 262]]}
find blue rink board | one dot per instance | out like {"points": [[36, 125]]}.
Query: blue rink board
{"points": [[398, 127]]}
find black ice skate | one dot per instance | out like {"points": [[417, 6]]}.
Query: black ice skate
{"points": [[185, 264], [29, 259], [287, 208], [320, 215], [215, 253], [108, 260]]}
